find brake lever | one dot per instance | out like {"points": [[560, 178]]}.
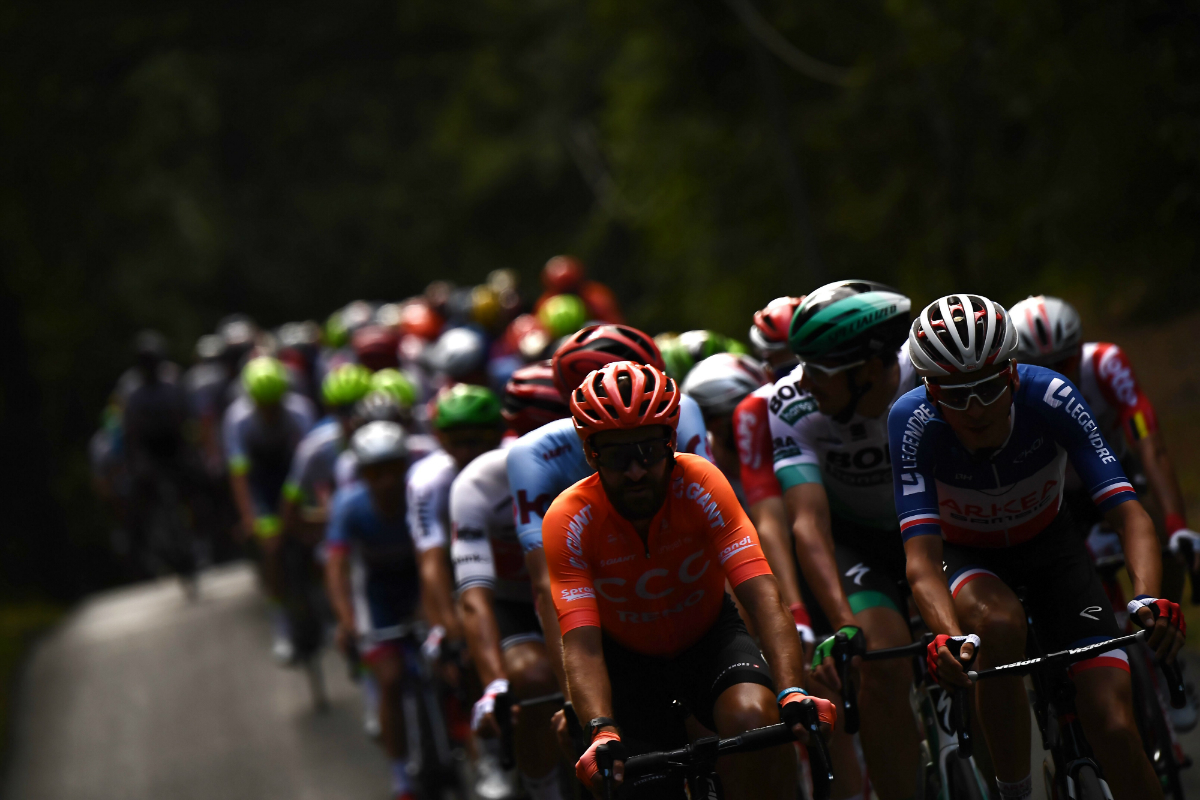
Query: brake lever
{"points": [[960, 714], [805, 714], [841, 662]]}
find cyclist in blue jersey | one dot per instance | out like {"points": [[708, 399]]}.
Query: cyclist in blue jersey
{"points": [[978, 459], [381, 574], [548, 460]]}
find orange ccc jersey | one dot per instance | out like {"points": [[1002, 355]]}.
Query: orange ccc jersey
{"points": [[660, 597]]}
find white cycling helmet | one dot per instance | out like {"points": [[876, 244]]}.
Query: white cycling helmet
{"points": [[720, 382], [1048, 329], [377, 442], [458, 352], [960, 333]]}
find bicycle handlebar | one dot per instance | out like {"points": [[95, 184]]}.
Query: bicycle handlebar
{"points": [[1065, 657]]}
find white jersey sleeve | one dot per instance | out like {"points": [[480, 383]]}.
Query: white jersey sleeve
{"points": [[428, 495], [470, 549]]}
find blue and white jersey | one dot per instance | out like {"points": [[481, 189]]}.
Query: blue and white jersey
{"points": [[550, 459], [385, 579], [1014, 493], [312, 476]]}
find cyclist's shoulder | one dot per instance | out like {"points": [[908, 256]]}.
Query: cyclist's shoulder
{"points": [[547, 446], [585, 496], [300, 408], [789, 404], [240, 411], [483, 473], [699, 486], [353, 498], [432, 472], [1046, 392], [910, 419]]}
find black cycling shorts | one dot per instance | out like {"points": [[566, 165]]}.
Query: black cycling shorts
{"points": [[1063, 593], [518, 623], [871, 565], [644, 687]]}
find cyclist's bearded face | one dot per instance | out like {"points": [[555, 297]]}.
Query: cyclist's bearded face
{"points": [[634, 468]]}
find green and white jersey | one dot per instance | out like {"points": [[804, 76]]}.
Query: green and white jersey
{"points": [[850, 459]]}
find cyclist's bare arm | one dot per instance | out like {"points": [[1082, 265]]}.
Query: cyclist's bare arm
{"points": [[927, 580], [1143, 552], [761, 598], [240, 487], [437, 591], [539, 576], [587, 674], [1160, 474], [808, 508], [770, 520], [482, 634], [337, 582]]}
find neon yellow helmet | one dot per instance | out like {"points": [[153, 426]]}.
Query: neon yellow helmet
{"points": [[397, 384], [563, 314], [346, 385], [265, 379]]}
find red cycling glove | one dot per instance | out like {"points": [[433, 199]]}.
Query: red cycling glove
{"points": [[947, 641], [826, 711], [586, 767], [1159, 608]]}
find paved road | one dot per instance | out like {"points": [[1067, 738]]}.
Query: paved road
{"points": [[142, 695]]}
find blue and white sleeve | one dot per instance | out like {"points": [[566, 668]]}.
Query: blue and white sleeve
{"points": [[912, 447]]}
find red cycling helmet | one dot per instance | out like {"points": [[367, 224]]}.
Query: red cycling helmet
{"points": [[624, 395], [376, 347], [418, 319], [770, 329], [531, 399], [563, 274], [594, 346]]}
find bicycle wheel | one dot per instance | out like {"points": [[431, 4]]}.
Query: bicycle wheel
{"points": [[1088, 784]]}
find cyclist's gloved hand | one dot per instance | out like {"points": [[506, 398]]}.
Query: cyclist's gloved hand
{"points": [[944, 658], [1182, 539], [826, 711], [1166, 620], [858, 644], [431, 648], [803, 624], [587, 769], [485, 706]]}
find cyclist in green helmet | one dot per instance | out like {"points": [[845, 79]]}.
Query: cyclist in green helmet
{"points": [[828, 421], [262, 430], [398, 385], [563, 314], [344, 386]]}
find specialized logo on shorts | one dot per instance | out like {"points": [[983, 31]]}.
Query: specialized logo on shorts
{"points": [[1056, 393], [736, 547], [857, 573], [1086, 612], [580, 593]]}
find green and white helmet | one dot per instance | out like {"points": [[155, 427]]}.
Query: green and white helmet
{"points": [[849, 321]]}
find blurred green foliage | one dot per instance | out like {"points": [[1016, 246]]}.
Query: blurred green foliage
{"points": [[167, 163]]}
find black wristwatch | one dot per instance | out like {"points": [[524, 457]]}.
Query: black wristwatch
{"points": [[599, 722]]}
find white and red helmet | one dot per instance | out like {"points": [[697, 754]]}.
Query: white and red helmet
{"points": [[720, 382], [961, 333], [1048, 329]]}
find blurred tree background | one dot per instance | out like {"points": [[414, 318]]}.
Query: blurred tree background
{"points": [[167, 163]]}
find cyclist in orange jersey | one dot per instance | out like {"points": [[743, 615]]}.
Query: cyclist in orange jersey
{"points": [[638, 556]]}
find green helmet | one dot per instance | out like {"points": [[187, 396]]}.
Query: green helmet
{"points": [[336, 334], [346, 385], [265, 379], [849, 321], [397, 384], [683, 351], [467, 406], [563, 314]]}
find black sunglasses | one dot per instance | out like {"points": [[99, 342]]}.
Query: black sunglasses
{"points": [[618, 457]]}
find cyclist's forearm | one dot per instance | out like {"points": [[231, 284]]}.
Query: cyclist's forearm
{"points": [[539, 576], [482, 634], [927, 580], [814, 552], [587, 674], [1160, 474], [1143, 552], [337, 579], [436, 592], [241, 498], [770, 520], [761, 598]]}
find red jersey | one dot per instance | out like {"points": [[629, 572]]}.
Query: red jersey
{"points": [[752, 428], [1108, 384], [660, 597]]}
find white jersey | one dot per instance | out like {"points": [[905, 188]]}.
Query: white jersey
{"points": [[851, 459], [429, 496], [484, 547]]}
